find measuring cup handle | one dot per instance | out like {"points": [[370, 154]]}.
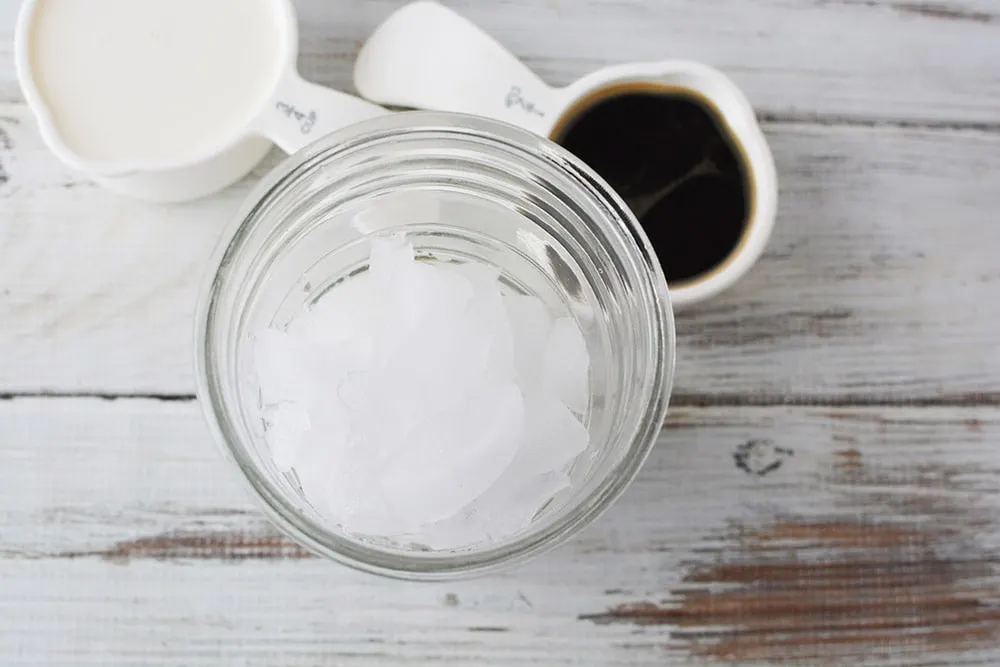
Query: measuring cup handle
{"points": [[300, 112], [428, 57]]}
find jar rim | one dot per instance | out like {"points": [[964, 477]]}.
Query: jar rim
{"points": [[414, 564]]}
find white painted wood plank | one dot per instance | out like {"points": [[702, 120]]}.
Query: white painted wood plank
{"points": [[299, 614], [125, 541], [96, 290], [292, 614], [93, 471], [880, 280], [872, 58], [84, 474]]}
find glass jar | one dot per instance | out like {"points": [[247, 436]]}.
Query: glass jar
{"points": [[461, 188]]}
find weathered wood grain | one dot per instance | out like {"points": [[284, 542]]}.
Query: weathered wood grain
{"points": [[94, 285], [755, 535], [880, 281], [778, 535], [889, 59]]}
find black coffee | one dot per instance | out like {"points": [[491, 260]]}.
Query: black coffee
{"points": [[671, 159]]}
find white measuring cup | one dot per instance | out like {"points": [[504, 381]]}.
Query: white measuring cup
{"points": [[290, 112], [427, 56]]}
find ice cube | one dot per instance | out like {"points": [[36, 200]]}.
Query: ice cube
{"points": [[388, 255], [438, 359], [530, 323], [285, 425], [453, 533], [453, 457], [335, 478], [345, 316], [510, 505], [423, 290], [443, 291], [553, 437], [487, 319], [291, 369], [415, 400], [417, 297], [566, 365], [281, 369], [505, 509], [483, 277]]}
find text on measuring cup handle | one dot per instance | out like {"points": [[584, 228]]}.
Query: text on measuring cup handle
{"points": [[306, 119], [516, 98]]}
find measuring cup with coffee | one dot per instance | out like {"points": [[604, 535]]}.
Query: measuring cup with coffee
{"points": [[676, 139]]}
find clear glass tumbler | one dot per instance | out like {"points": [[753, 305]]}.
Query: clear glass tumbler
{"points": [[461, 188]]}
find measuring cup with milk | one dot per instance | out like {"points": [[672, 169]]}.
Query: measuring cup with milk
{"points": [[171, 100], [676, 139]]}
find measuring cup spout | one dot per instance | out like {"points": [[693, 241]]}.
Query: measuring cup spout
{"points": [[428, 57]]}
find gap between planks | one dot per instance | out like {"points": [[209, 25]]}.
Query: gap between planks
{"points": [[677, 400], [768, 118]]}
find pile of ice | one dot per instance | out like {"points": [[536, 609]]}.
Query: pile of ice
{"points": [[418, 401]]}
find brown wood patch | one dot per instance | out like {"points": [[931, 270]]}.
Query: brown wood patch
{"points": [[942, 11], [895, 568], [228, 546], [932, 10]]}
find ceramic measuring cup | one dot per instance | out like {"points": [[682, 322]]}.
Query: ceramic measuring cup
{"points": [[290, 112], [427, 56]]}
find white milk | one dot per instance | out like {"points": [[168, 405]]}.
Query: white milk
{"points": [[154, 80]]}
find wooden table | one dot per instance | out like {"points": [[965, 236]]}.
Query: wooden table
{"points": [[826, 490]]}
